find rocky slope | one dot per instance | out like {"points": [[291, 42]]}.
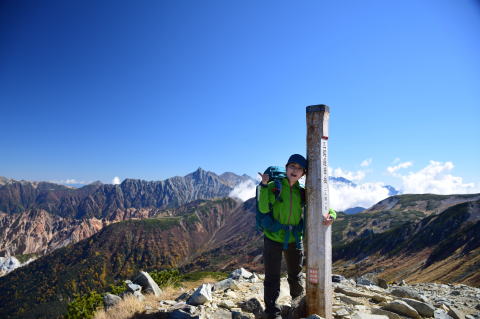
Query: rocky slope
{"points": [[442, 247], [176, 239], [394, 212], [241, 296]]}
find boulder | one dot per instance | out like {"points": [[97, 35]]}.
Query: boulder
{"points": [[405, 292], [139, 295], [220, 314], [455, 313], [379, 298], [184, 307], [402, 308], [227, 304], [231, 294], [131, 287], [253, 305], [351, 292], [342, 312], [364, 281], [364, 315], [254, 279], [389, 314], [439, 302], [240, 315], [241, 274], [424, 309], [179, 314], [349, 301], [110, 300], [202, 295], [382, 283], [148, 284], [228, 283], [183, 297], [441, 314], [338, 278]]}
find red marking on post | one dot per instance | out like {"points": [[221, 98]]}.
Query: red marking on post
{"points": [[313, 275], [324, 137]]}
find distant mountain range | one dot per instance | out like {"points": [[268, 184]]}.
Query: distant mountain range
{"points": [[102, 200], [38, 217], [341, 180]]}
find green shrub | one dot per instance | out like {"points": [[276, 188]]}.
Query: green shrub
{"points": [[118, 289], [166, 278], [84, 306], [195, 276]]}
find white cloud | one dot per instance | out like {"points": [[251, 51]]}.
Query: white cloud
{"points": [[244, 190], [393, 169], [435, 178], [353, 176], [343, 196], [366, 162], [70, 181], [116, 180]]}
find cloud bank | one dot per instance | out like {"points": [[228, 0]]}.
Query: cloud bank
{"points": [[116, 180], [70, 181], [434, 178], [244, 190], [344, 196], [352, 176]]}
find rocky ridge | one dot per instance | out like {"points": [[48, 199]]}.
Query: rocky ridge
{"points": [[103, 200], [426, 203], [39, 217], [241, 296]]}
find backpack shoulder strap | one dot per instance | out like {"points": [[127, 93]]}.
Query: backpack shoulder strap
{"points": [[277, 190], [303, 196]]}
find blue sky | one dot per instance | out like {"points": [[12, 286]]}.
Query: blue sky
{"points": [[94, 90]]}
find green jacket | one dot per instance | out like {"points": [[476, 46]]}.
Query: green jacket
{"points": [[288, 211]]}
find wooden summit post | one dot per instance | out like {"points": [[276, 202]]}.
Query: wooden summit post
{"points": [[319, 292]]}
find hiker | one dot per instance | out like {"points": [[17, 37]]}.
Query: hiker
{"points": [[286, 208]]}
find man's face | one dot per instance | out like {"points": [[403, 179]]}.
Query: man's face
{"points": [[294, 172]]}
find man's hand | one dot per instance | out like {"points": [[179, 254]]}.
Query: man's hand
{"points": [[327, 220], [265, 178]]}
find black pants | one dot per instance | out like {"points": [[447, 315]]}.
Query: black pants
{"points": [[272, 258]]}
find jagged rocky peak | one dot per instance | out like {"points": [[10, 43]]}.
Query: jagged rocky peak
{"points": [[130, 181], [199, 173], [4, 180]]}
